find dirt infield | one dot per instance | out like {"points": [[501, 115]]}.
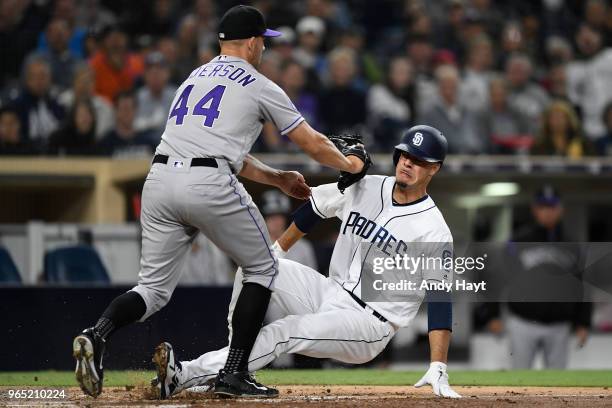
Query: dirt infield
{"points": [[341, 396]]}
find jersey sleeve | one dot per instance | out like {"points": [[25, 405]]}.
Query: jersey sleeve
{"points": [[327, 201], [277, 108], [440, 269]]}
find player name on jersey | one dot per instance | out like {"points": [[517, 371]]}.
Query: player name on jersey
{"points": [[221, 70], [378, 235]]}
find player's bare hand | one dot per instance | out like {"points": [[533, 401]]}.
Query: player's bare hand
{"points": [[582, 334], [356, 164], [437, 377], [293, 184], [496, 326]]}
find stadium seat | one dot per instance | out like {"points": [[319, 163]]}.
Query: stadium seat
{"points": [[8, 269], [75, 264]]}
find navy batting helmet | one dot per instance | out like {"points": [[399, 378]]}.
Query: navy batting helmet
{"points": [[423, 142]]}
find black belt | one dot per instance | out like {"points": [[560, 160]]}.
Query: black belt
{"points": [[367, 308], [195, 162]]}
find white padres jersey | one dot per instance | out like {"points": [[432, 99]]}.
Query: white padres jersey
{"points": [[220, 109], [370, 217]]}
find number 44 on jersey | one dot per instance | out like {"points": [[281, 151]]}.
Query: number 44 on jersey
{"points": [[210, 112]]}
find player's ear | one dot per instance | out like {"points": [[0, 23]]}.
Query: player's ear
{"points": [[435, 168], [251, 43]]}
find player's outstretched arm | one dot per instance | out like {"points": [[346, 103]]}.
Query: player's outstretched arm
{"points": [[436, 376], [320, 148], [304, 220], [291, 235], [291, 183]]}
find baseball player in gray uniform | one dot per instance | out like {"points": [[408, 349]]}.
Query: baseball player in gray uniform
{"points": [[216, 116], [329, 317]]}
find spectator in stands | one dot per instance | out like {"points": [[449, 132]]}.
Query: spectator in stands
{"points": [[506, 127], [561, 133], [284, 45], [558, 51], [391, 105], [114, 67], [353, 38], [491, 15], [169, 49], [20, 25], [525, 96], [419, 50], [342, 106], [90, 13], [557, 82], [77, 136], [83, 89], [292, 78], [310, 31], [206, 18], [595, 14], [39, 112], [534, 323], [475, 85], [270, 66], [590, 79], [474, 26], [154, 98], [124, 140], [293, 81], [187, 47], [157, 19], [66, 10], [57, 54], [604, 143], [460, 125], [449, 34], [512, 42], [11, 140]]}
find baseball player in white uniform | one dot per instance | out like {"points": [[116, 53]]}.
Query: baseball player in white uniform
{"points": [[216, 116], [326, 317]]}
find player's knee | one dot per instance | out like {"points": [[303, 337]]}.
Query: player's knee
{"points": [[155, 299], [266, 267]]}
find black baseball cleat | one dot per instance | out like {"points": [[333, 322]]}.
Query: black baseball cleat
{"points": [[167, 381], [88, 351], [242, 385]]}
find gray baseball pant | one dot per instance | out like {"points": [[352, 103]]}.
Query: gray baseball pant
{"points": [[527, 337], [177, 201]]}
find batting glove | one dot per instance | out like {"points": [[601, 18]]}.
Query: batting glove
{"points": [[437, 377], [280, 253]]}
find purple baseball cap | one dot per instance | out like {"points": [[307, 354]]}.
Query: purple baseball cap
{"points": [[548, 196], [241, 22]]}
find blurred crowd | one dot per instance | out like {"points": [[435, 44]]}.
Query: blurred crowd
{"points": [[522, 77]]}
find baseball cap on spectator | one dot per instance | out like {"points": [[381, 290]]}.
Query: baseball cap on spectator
{"points": [[310, 24], [444, 57], [547, 195], [155, 58], [287, 37], [473, 16], [242, 22], [274, 202]]}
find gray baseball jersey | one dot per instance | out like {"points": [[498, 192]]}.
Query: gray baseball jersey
{"points": [[220, 109], [218, 112]]}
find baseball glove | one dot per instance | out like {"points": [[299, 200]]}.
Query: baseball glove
{"points": [[351, 145]]}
